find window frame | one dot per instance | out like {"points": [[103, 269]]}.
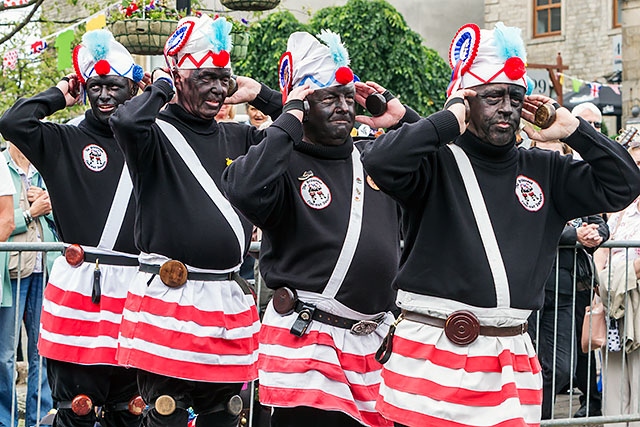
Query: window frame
{"points": [[549, 6], [616, 10]]}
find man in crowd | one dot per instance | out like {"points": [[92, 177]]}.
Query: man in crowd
{"points": [[586, 376], [482, 221], [90, 192], [22, 291], [330, 246], [550, 327], [190, 322]]}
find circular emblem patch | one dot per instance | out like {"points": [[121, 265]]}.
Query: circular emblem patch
{"points": [[315, 193], [529, 193], [95, 158]]}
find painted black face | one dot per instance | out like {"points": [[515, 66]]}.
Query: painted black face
{"points": [[495, 112], [331, 115], [202, 92], [105, 93]]}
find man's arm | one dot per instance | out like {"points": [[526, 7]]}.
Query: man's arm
{"points": [[255, 183], [132, 121]]}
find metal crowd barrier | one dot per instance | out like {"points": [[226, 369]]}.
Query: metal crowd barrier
{"points": [[561, 414]]}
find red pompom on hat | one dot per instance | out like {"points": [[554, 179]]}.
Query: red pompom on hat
{"points": [[344, 75], [221, 59], [514, 68], [102, 67]]}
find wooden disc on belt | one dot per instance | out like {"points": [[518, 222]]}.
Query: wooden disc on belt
{"points": [[284, 300], [462, 327], [81, 405], [136, 405], [173, 273], [74, 254], [165, 405]]}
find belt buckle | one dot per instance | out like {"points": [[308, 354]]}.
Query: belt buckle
{"points": [[364, 327], [173, 273], [462, 327]]}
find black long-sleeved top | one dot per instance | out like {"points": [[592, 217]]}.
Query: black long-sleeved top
{"points": [[81, 188], [443, 254], [175, 217], [301, 243]]}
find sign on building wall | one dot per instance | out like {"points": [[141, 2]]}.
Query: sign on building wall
{"points": [[617, 52], [541, 79]]}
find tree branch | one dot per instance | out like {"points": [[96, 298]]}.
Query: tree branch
{"points": [[36, 4]]}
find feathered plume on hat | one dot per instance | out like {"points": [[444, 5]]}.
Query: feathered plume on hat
{"points": [[309, 61], [479, 57], [99, 54], [200, 42]]}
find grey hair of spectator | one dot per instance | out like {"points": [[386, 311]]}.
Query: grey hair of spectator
{"points": [[590, 106]]}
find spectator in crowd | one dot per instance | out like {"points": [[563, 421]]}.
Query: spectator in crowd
{"points": [[586, 375], [90, 191], [619, 274], [257, 118], [482, 220], [227, 113], [330, 246], [190, 322], [550, 327], [7, 224], [34, 223], [7, 190]]}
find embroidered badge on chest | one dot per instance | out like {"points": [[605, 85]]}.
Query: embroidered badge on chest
{"points": [[95, 158], [315, 193], [529, 193]]}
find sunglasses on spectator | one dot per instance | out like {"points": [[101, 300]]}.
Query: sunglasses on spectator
{"points": [[596, 124]]}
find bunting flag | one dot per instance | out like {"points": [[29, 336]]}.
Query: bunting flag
{"points": [[594, 87], [96, 23], [576, 85], [10, 60], [63, 46], [38, 47], [63, 38], [14, 3]]}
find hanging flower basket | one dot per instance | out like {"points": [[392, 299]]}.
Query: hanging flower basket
{"points": [[250, 4], [143, 36], [240, 42]]}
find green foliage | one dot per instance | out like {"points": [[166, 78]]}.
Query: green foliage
{"points": [[268, 40], [35, 74], [384, 49]]}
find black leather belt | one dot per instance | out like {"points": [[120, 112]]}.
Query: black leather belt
{"points": [[110, 259], [358, 327], [462, 327], [191, 275]]}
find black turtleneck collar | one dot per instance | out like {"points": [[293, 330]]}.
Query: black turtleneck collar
{"points": [[331, 152], [196, 124], [96, 126], [482, 150]]}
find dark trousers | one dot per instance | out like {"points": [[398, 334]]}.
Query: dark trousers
{"points": [[201, 396], [585, 369], [543, 332], [310, 417], [103, 384]]}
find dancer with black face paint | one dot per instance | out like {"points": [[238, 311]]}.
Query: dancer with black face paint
{"points": [[90, 192]]}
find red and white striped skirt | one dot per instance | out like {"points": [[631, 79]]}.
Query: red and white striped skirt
{"points": [[429, 381], [327, 368], [201, 331], [72, 328]]}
